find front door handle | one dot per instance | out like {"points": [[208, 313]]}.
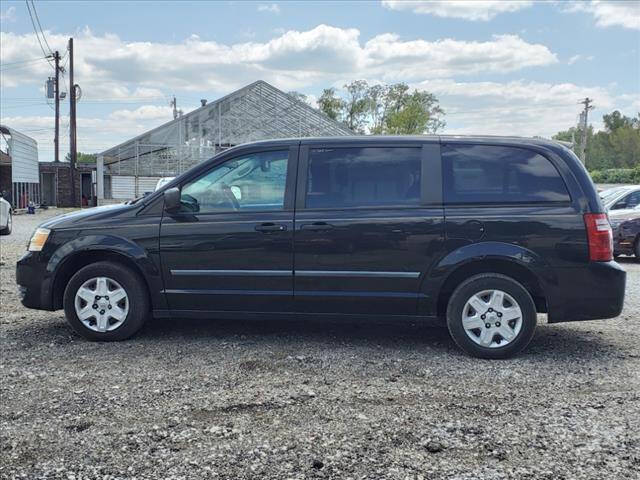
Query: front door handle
{"points": [[317, 226], [270, 227]]}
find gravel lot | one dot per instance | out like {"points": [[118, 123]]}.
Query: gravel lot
{"points": [[228, 399]]}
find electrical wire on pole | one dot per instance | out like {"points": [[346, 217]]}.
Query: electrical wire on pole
{"points": [[48, 56], [33, 6]]}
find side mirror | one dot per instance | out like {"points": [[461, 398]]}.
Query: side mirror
{"points": [[172, 199], [236, 192]]}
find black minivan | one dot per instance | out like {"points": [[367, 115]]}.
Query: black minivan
{"points": [[480, 233]]}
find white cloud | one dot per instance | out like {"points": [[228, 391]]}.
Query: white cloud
{"points": [[272, 8], [107, 66], [8, 15], [579, 57], [610, 13], [146, 112], [474, 10], [111, 69], [519, 107]]}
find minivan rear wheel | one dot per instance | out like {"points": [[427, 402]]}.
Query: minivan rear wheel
{"points": [[106, 301], [491, 316]]}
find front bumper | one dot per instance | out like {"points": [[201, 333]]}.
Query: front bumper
{"points": [[34, 284], [623, 244], [593, 292]]}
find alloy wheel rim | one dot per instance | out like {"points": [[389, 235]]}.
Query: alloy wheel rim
{"points": [[101, 304], [492, 318]]}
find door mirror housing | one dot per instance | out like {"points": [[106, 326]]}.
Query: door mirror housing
{"points": [[172, 199]]}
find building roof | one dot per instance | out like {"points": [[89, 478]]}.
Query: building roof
{"points": [[258, 111]]}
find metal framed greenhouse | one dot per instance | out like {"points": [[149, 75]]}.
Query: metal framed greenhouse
{"points": [[258, 111]]}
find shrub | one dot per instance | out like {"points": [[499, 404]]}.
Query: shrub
{"points": [[616, 175]]}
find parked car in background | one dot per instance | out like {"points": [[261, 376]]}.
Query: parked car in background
{"points": [[619, 198], [6, 221], [476, 233], [626, 231], [163, 181]]}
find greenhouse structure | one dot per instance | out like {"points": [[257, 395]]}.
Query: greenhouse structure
{"points": [[258, 111]]}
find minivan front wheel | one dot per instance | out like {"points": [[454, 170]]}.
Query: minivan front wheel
{"points": [[106, 301], [491, 316]]}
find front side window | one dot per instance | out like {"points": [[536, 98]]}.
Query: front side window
{"points": [[496, 174], [254, 182], [363, 177]]}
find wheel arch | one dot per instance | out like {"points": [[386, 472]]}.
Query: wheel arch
{"points": [[77, 260], [502, 265]]}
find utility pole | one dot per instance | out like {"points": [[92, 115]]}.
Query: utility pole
{"points": [[56, 140], [585, 123], [72, 125], [175, 107]]}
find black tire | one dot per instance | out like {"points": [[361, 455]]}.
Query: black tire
{"points": [[7, 230], [636, 249], [480, 283], [137, 295]]}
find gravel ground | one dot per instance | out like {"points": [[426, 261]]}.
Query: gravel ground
{"points": [[229, 399]]}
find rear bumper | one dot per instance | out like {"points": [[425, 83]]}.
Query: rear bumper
{"points": [[590, 293], [34, 284]]}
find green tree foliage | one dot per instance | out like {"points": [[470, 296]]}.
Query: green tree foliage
{"points": [[82, 157], [301, 97], [617, 146], [356, 105], [331, 104], [417, 113], [383, 109]]}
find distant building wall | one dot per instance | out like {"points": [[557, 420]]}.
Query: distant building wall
{"points": [[64, 193]]}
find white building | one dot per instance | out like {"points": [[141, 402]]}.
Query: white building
{"points": [[19, 167]]}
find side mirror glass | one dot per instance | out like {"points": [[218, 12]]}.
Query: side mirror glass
{"points": [[172, 199], [236, 192]]}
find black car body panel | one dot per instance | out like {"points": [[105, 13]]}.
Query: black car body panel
{"points": [[626, 231], [395, 261]]}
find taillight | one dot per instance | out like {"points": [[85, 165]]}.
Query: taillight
{"points": [[600, 237]]}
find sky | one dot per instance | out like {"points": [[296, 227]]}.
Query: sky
{"points": [[497, 67]]}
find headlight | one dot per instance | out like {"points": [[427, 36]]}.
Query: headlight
{"points": [[38, 239]]}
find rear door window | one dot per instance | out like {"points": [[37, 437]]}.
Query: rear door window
{"points": [[495, 174], [363, 177]]}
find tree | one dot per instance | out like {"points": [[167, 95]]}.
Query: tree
{"points": [[417, 113], [356, 105], [301, 97], [617, 146], [383, 109], [82, 157], [377, 99], [330, 104]]}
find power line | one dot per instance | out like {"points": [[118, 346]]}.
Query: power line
{"points": [[38, 36], [37, 59], [41, 31]]}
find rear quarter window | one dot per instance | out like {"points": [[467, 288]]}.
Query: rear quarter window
{"points": [[497, 174]]}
